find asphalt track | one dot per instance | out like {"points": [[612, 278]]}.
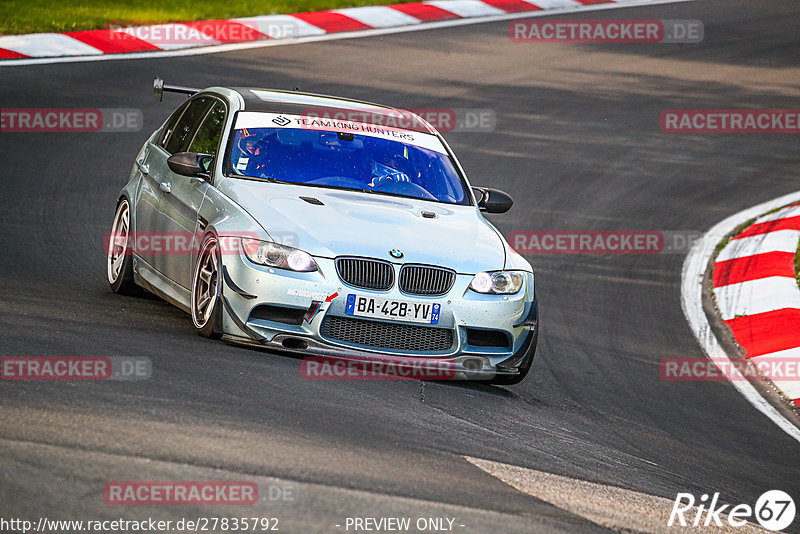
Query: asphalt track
{"points": [[577, 144]]}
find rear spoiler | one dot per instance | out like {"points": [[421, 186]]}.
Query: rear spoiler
{"points": [[159, 88]]}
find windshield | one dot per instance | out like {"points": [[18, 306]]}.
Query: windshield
{"points": [[345, 160]]}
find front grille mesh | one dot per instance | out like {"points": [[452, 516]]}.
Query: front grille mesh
{"points": [[365, 273], [386, 335], [426, 280]]}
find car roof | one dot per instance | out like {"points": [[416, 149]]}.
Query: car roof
{"points": [[297, 103]]}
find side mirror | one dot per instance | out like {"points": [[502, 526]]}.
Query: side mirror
{"points": [[492, 200], [158, 88], [191, 164]]}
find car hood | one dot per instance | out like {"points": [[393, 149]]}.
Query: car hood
{"points": [[332, 223]]}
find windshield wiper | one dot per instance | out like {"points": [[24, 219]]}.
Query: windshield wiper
{"points": [[269, 179]]}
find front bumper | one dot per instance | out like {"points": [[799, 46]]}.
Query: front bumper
{"points": [[464, 313]]}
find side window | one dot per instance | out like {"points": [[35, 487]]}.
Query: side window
{"points": [[182, 135], [169, 127], [206, 140]]}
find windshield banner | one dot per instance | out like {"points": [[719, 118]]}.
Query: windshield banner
{"points": [[251, 119]]}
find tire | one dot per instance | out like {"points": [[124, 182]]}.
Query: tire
{"points": [[510, 380], [207, 290], [524, 367], [119, 257]]}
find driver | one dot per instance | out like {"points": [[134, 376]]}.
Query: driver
{"points": [[389, 168], [252, 152]]}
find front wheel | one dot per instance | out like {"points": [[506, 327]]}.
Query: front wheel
{"points": [[119, 257], [207, 291], [524, 366], [510, 380]]}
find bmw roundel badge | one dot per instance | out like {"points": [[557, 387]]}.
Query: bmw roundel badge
{"points": [[396, 253]]}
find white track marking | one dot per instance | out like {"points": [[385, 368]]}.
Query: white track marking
{"points": [[553, 4], [165, 36], [757, 296], [780, 241], [40, 44], [790, 388], [609, 506], [228, 47], [378, 16], [692, 303], [280, 26], [793, 353], [467, 8], [792, 211]]}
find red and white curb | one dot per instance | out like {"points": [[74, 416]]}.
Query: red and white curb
{"points": [[221, 35], [755, 291]]}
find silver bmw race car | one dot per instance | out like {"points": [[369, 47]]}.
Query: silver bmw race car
{"points": [[324, 226]]}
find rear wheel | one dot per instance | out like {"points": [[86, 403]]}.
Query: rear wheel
{"points": [[207, 291], [119, 259]]}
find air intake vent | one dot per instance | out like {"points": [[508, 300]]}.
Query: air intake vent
{"points": [[366, 273], [386, 335], [279, 314], [488, 338], [426, 280]]}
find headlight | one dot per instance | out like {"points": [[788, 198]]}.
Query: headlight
{"points": [[498, 282], [279, 256]]}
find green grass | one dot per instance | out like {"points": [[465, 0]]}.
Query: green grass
{"points": [[33, 16], [797, 265], [736, 231]]}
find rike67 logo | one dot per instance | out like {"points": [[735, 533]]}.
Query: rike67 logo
{"points": [[774, 510]]}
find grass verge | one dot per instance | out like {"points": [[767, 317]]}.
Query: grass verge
{"points": [[34, 16], [736, 231], [797, 265]]}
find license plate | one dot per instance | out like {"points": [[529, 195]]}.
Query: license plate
{"points": [[397, 310]]}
